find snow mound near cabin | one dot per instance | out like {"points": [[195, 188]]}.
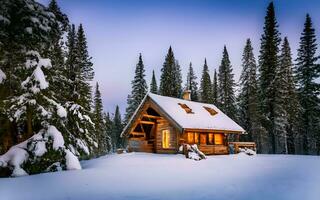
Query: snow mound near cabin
{"points": [[247, 151], [33, 155]]}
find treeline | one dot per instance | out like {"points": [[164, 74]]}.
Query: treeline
{"points": [[45, 87], [276, 99]]}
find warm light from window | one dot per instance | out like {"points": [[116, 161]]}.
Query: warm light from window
{"points": [[203, 138], [196, 138], [218, 138], [190, 138], [165, 139], [210, 137]]}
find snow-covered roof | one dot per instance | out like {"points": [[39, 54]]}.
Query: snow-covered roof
{"points": [[200, 118]]}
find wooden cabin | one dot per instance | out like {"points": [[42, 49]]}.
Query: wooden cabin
{"points": [[162, 124]]}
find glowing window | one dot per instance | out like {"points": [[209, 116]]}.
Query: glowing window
{"points": [[210, 110], [218, 138], [165, 139], [186, 108], [203, 138], [190, 138], [210, 138], [196, 138]]}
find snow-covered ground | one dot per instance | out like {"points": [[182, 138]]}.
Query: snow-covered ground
{"points": [[153, 176]]}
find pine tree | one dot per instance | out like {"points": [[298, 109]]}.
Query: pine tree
{"points": [[116, 130], [56, 52], [84, 70], [98, 120], [79, 73], [108, 125], [153, 85], [280, 122], [288, 94], [307, 71], [30, 100], [268, 62], [192, 84], [170, 81], [227, 101], [139, 89], [248, 102], [177, 79], [70, 71], [205, 85], [215, 89]]}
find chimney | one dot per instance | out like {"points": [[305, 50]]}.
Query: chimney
{"points": [[187, 95]]}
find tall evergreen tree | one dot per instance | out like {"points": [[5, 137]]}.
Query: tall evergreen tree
{"points": [[79, 73], [70, 62], [170, 80], [215, 89], [287, 105], [192, 84], [56, 52], [205, 85], [178, 80], [307, 71], [108, 125], [116, 130], [84, 70], [226, 97], [268, 62], [153, 85], [139, 89], [100, 127], [248, 101]]}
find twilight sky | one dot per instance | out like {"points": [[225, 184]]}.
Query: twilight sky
{"points": [[118, 30]]}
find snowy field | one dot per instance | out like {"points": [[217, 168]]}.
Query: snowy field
{"points": [[152, 176]]}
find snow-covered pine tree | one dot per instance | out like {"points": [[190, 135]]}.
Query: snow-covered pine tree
{"points": [[192, 84], [139, 89], [98, 119], [215, 89], [205, 85], [116, 130], [79, 73], [227, 100], [280, 120], [168, 82], [153, 84], [57, 54], [32, 111], [248, 101], [307, 71], [84, 70], [290, 102], [268, 62]]}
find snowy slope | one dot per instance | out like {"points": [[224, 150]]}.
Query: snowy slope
{"points": [[200, 118], [152, 176]]}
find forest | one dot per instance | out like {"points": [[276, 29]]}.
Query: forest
{"points": [[51, 108]]}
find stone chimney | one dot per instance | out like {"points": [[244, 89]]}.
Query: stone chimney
{"points": [[187, 95]]}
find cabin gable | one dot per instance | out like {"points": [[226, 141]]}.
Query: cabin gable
{"points": [[150, 128]]}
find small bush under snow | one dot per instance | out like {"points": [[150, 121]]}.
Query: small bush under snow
{"points": [[43, 152]]}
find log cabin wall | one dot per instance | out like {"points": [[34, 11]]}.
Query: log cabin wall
{"points": [[202, 140], [163, 127]]}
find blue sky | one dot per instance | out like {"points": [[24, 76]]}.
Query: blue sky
{"points": [[118, 30]]}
